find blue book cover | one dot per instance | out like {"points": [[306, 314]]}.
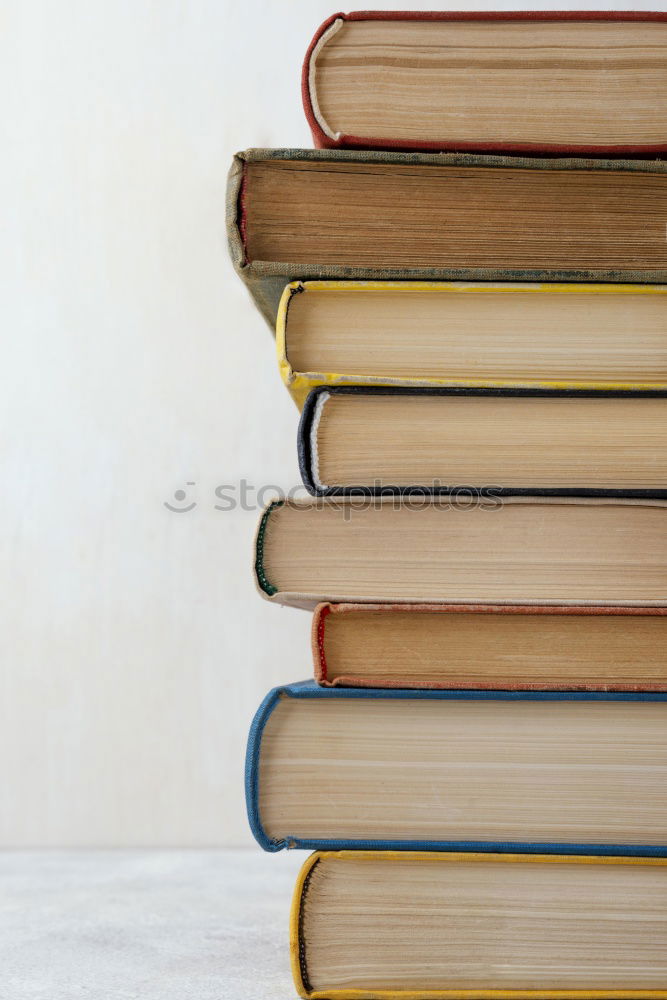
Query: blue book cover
{"points": [[306, 690]]}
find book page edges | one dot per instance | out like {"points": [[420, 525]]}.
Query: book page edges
{"points": [[322, 612], [309, 601], [300, 384], [325, 138], [297, 947]]}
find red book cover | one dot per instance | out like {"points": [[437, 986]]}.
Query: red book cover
{"points": [[325, 137]]}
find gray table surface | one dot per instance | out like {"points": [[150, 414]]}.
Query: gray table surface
{"points": [[150, 925]]}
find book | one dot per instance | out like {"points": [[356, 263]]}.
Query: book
{"points": [[439, 333], [378, 925], [489, 646], [587, 83], [515, 771], [316, 214], [377, 441], [463, 549]]}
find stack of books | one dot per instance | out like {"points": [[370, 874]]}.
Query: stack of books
{"points": [[465, 284]]}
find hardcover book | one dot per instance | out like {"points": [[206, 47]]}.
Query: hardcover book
{"points": [[464, 549], [492, 646], [536, 772], [581, 82], [376, 925], [442, 334], [376, 441], [313, 214]]}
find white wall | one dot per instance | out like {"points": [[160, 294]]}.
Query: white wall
{"points": [[133, 647]]}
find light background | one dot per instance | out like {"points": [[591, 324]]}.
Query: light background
{"points": [[133, 646]]}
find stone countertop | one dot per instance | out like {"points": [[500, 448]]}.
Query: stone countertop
{"points": [[146, 924]]}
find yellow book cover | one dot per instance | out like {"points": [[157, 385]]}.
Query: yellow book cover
{"points": [[471, 334], [511, 920]]}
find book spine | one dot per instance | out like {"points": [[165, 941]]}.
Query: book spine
{"points": [[321, 613], [298, 385], [264, 283], [266, 588], [320, 139], [296, 936], [252, 771]]}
